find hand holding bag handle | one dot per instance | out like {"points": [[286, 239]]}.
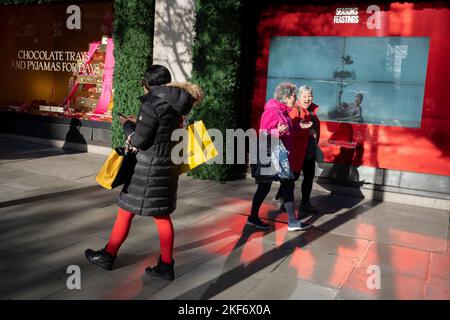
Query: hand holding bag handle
{"points": [[118, 167]]}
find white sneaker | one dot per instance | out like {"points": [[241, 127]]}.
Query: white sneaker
{"points": [[298, 226]]}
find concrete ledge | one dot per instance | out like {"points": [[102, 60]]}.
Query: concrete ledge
{"points": [[382, 193], [72, 130], [400, 196], [90, 148]]}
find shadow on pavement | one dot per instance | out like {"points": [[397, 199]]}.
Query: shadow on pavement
{"points": [[238, 274], [49, 196]]}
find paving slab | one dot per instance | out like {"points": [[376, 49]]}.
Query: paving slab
{"points": [[13, 257], [189, 251], [188, 186], [393, 286], [233, 263], [191, 287], [74, 255], [65, 166], [255, 257], [220, 219], [52, 237], [279, 287], [240, 290], [395, 259], [32, 281], [8, 173], [44, 153], [333, 244], [98, 218], [31, 184], [316, 266], [419, 228], [15, 227], [437, 289], [440, 266], [204, 282], [69, 206], [47, 211], [190, 214], [106, 285], [12, 150], [225, 197], [236, 273], [8, 193]]}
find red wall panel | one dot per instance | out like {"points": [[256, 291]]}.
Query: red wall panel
{"points": [[425, 149]]}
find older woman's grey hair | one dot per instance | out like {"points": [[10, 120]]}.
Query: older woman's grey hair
{"points": [[305, 89], [284, 89]]}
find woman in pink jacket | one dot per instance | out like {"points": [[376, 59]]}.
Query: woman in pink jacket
{"points": [[306, 139], [276, 121]]}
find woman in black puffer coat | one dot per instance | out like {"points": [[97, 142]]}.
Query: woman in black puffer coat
{"points": [[152, 189]]}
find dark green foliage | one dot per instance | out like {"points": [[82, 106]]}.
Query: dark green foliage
{"points": [[133, 44], [216, 57]]}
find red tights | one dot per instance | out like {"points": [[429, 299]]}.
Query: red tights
{"points": [[122, 227]]}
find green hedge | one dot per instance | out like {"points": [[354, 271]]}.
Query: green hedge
{"points": [[133, 46], [216, 56]]}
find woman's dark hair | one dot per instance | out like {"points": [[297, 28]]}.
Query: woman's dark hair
{"points": [[156, 75]]}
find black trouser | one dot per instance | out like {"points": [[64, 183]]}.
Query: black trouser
{"points": [[308, 169], [286, 188]]}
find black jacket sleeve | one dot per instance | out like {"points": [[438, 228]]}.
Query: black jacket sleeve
{"points": [[146, 126]]}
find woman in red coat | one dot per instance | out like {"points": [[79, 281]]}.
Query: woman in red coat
{"points": [[306, 137]]}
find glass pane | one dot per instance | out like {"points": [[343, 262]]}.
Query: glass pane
{"points": [[376, 80]]}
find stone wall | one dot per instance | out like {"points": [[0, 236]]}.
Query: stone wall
{"points": [[174, 36]]}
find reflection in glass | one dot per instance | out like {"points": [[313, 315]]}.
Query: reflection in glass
{"points": [[378, 80]]}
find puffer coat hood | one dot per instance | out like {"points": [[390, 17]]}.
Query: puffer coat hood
{"points": [[180, 95]]}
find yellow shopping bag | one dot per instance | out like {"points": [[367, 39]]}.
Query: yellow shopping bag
{"points": [[117, 169], [200, 147]]}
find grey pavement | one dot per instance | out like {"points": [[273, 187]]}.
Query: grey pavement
{"points": [[51, 210]]}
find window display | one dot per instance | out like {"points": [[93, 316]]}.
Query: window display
{"points": [[377, 80], [90, 88], [57, 63], [380, 76]]}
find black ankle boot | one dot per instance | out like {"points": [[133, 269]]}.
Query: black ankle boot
{"points": [[100, 258], [162, 270]]}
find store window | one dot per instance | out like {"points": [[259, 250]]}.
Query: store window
{"points": [[379, 72], [373, 80], [57, 60]]}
